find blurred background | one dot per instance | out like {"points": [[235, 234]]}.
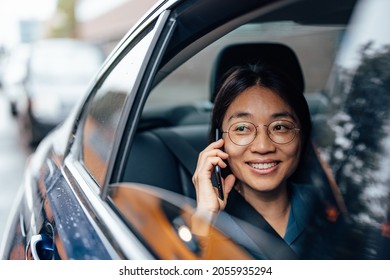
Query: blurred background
{"points": [[39, 84]]}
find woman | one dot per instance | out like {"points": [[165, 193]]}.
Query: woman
{"points": [[265, 125]]}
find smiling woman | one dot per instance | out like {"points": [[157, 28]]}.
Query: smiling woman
{"points": [[259, 161]]}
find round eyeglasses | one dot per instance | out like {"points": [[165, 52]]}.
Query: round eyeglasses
{"points": [[279, 131]]}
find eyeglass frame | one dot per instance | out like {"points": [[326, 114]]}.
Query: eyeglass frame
{"points": [[295, 128]]}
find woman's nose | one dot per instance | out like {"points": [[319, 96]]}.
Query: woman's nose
{"points": [[262, 142]]}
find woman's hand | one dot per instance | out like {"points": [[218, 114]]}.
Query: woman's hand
{"points": [[208, 202]]}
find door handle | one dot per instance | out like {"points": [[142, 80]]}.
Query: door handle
{"points": [[40, 247]]}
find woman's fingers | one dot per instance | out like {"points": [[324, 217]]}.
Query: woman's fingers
{"points": [[229, 183], [208, 159], [215, 150], [206, 194]]}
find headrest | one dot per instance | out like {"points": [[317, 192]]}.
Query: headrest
{"points": [[275, 54]]}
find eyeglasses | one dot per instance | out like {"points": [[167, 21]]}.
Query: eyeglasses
{"points": [[279, 131]]}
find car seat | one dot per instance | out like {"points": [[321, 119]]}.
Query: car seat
{"points": [[274, 54]]}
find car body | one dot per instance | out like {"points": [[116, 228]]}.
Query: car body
{"points": [[114, 180], [44, 80]]}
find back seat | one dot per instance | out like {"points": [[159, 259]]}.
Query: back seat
{"points": [[151, 161]]}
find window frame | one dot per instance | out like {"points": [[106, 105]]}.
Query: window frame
{"points": [[74, 148]]}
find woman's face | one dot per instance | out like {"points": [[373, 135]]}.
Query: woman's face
{"points": [[262, 165]]}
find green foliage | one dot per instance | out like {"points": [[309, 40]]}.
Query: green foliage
{"points": [[65, 22]]}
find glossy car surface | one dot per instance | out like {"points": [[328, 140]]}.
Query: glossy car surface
{"points": [[45, 79], [114, 181]]}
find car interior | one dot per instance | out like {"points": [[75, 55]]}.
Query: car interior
{"points": [[165, 155], [173, 131]]}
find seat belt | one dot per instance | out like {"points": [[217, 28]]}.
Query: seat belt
{"points": [[184, 153]]}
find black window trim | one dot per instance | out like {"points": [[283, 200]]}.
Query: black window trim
{"points": [[158, 28], [74, 146]]}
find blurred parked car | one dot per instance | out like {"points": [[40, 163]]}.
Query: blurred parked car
{"points": [[44, 80], [114, 180], [2, 60], [14, 73]]}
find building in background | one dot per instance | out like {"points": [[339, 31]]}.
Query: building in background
{"points": [[30, 30], [112, 22]]}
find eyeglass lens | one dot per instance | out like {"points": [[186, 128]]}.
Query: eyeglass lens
{"points": [[280, 131]]}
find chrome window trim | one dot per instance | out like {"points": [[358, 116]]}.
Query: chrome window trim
{"points": [[134, 249], [143, 22], [101, 74], [75, 148], [134, 32], [157, 30]]}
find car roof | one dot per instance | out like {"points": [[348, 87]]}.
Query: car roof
{"points": [[194, 19]]}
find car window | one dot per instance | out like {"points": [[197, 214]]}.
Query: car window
{"points": [[193, 77], [174, 125], [106, 107], [355, 132], [347, 93]]}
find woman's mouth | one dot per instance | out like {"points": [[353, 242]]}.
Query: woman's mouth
{"points": [[263, 166]]}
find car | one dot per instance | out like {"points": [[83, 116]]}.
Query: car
{"points": [[114, 181], [2, 60], [14, 72], [43, 80]]}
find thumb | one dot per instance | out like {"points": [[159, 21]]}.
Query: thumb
{"points": [[229, 183]]}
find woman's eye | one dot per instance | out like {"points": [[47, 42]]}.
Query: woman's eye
{"points": [[242, 128], [280, 127]]}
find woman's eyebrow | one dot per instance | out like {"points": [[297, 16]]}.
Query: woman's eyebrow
{"points": [[284, 114], [278, 115], [239, 115]]}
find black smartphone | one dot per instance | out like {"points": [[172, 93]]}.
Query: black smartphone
{"points": [[217, 171]]}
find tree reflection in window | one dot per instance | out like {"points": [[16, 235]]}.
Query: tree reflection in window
{"points": [[359, 155]]}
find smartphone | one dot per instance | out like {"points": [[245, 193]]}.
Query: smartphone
{"points": [[217, 171]]}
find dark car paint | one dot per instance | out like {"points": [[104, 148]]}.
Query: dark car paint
{"points": [[56, 211], [71, 222]]}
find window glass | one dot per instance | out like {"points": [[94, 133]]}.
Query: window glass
{"points": [[181, 105], [347, 165], [355, 132], [102, 120], [192, 79], [183, 98]]}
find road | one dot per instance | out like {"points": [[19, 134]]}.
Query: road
{"points": [[12, 161]]}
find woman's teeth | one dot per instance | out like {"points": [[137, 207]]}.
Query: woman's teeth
{"points": [[263, 165]]}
